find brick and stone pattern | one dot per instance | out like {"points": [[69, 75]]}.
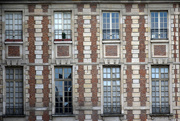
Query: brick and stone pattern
{"points": [[38, 98], [87, 60]]}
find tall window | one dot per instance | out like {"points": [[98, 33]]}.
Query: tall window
{"points": [[63, 90], [111, 82], [14, 91], [159, 25], [13, 25], [160, 93], [110, 25], [62, 25]]}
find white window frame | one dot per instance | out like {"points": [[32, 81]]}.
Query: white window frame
{"points": [[159, 22], [13, 24], [111, 25]]}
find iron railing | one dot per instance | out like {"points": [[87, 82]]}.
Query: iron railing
{"points": [[14, 110], [13, 34], [160, 109], [110, 33], [63, 34], [156, 32], [112, 109]]}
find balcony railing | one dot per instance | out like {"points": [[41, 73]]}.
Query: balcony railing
{"points": [[13, 35], [62, 35], [110, 33], [161, 109], [14, 110], [112, 109], [156, 35]]}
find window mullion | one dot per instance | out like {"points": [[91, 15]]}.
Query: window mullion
{"points": [[110, 26], [159, 25], [160, 88], [14, 92], [62, 22]]}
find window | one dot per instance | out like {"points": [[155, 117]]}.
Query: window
{"points": [[159, 25], [160, 93], [62, 26], [14, 91], [110, 25], [111, 82], [63, 90], [13, 26]]}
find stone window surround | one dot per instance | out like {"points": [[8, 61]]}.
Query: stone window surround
{"points": [[121, 92], [170, 90], [53, 90], [62, 8], [119, 41], [4, 91], [12, 8], [168, 42], [120, 23]]}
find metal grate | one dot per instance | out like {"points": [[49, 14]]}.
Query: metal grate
{"points": [[13, 34], [59, 34], [110, 33], [111, 109], [14, 110], [161, 109]]}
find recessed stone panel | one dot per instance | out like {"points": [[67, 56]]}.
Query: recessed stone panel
{"points": [[111, 50], [63, 51], [159, 50], [13, 51]]}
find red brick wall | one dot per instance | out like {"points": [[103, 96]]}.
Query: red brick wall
{"points": [[45, 8], [130, 115], [93, 38], [143, 89], [129, 89], [128, 7], [111, 50], [31, 8], [13, 51], [128, 38], [31, 39], [62, 50], [160, 50], [142, 39], [141, 7], [45, 39], [32, 83], [46, 90], [81, 85], [80, 39]]}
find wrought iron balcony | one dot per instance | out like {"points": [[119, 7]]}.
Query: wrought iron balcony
{"points": [[112, 109], [156, 35], [14, 110], [13, 35], [63, 35], [160, 109], [110, 33]]}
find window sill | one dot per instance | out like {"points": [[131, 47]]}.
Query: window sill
{"points": [[9, 116], [13, 42], [63, 115], [161, 115], [112, 115], [158, 40], [111, 41], [62, 42]]}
